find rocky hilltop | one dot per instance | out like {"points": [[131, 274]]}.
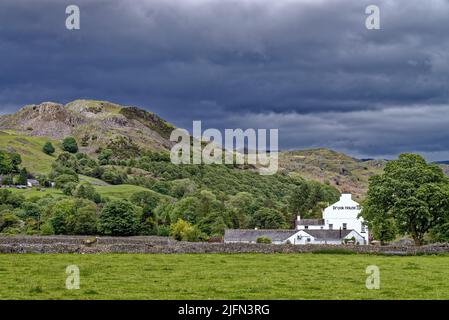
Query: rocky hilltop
{"points": [[93, 123]]}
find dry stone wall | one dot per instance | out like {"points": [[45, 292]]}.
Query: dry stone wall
{"points": [[92, 245]]}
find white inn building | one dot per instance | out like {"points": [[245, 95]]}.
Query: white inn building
{"points": [[340, 223]]}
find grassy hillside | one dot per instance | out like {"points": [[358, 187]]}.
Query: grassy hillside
{"points": [[30, 148], [219, 276]]}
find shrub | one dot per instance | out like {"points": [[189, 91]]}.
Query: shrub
{"points": [[69, 144], [8, 222], [85, 190], [47, 229], [113, 176], [69, 216], [86, 220], [119, 218], [184, 231], [63, 179], [48, 148], [263, 240], [69, 188]]}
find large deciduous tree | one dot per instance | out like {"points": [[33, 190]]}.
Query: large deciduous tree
{"points": [[410, 197]]}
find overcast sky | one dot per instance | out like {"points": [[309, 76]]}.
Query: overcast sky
{"points": [[307, 67]]}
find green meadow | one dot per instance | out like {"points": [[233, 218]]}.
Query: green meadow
{"points": [[30, 149], [218, 276]]}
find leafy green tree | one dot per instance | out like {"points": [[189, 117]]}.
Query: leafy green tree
{"points": [[119, 218], [74, 216], [9, 222], [104, 156], [86, 219], [113, 176], [69, 144], [30, 210], [410, 196], [61, 213], [86, 190], [182, 187], [184, 231], [62, 180], [268, 218], [241, 206], [187, 209], [48, 148], [22, 177], [16, 161], [11, 199], [69, 188], [6, 165]]}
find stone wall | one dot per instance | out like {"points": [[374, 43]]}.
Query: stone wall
{"points": [[86, 244]]}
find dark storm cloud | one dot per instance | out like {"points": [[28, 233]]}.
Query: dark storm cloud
{"points": [[308, 66]]}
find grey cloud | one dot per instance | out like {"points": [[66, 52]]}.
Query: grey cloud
{"points": [[218, 61]]}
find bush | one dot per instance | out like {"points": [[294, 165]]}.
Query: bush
{"points": [[64, 179], [113, 177], [263, 240], [70, 216], [47, 229], [69, 144], [8, 222], [48, 148], [69, 188], [184, 231], [85, 190], [86, 220], [119, 218]]}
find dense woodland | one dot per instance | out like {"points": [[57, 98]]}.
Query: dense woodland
{"points": [[190, 202]]}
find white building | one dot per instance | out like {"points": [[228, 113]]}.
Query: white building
{"points": [[340, 223], [342, 215]]}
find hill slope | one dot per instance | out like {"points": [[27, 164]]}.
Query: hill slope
{"points": [[94, 124], [344, 172]]}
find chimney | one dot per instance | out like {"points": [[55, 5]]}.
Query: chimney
{"points": [[345, 197], [298, 218]]}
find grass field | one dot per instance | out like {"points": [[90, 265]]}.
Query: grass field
{"points": [[216, 276], [30, 148]]}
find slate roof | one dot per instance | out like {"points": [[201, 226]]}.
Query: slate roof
{"points": [[252, 234], [310, 222], [328, 234]]}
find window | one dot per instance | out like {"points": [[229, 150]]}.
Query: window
{"points": [[345, 226], [331, 226], [306, 227], [308, 239], [363, 228]]}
